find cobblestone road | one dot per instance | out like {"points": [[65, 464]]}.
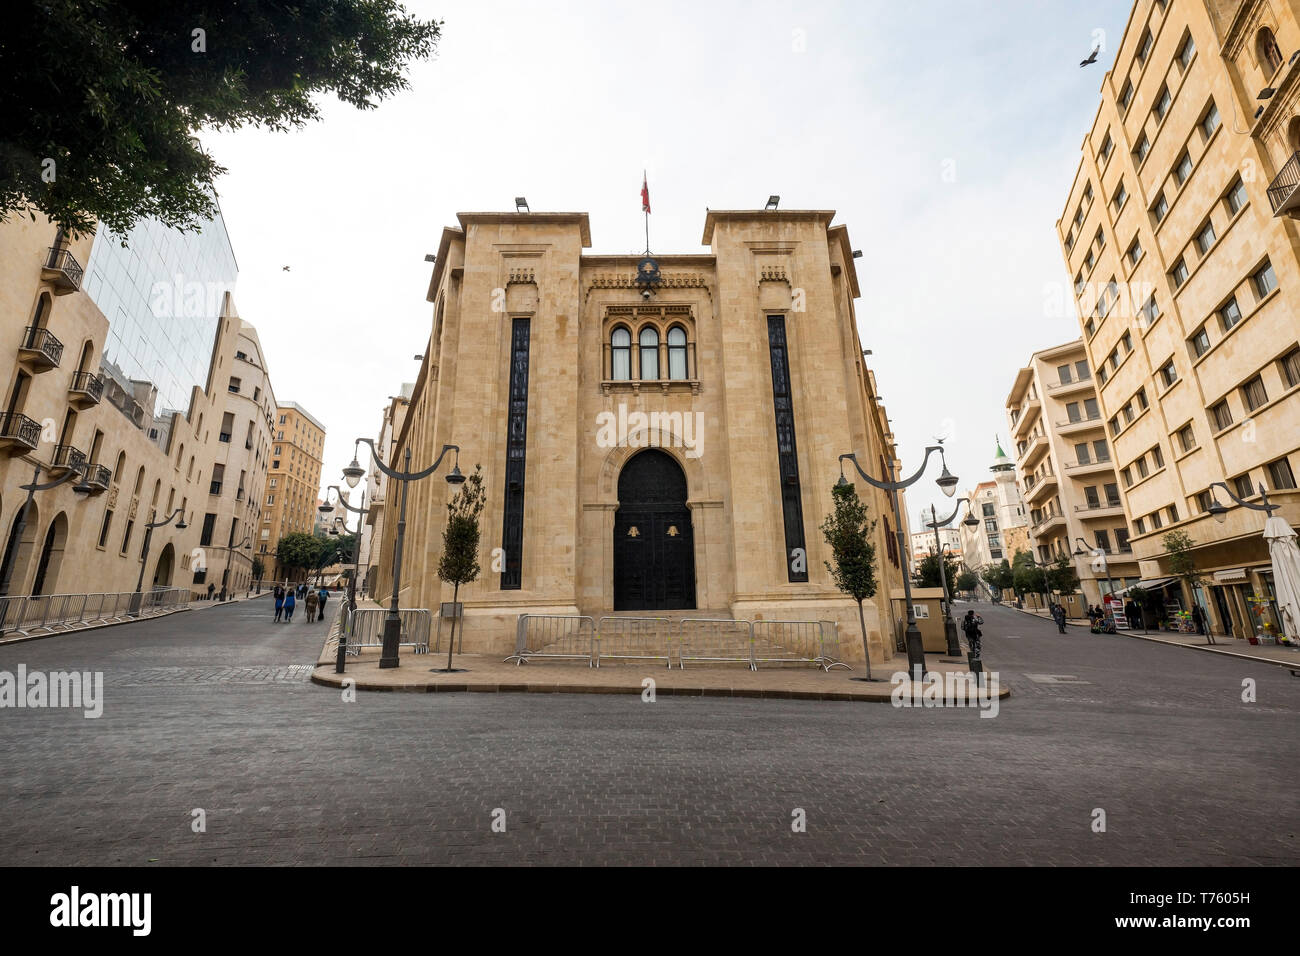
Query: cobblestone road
{"points": [[211, 710]]}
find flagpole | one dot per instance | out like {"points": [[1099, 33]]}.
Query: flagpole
{"points": [[645, 208]]}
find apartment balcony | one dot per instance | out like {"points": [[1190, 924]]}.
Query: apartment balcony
{"points": [[1034, 451], [18, 433], [40, 349], [1028, 412], [66, 459], [1061, 389], [86, 390], [98, 479], [1099, 509], [1047, 523], [62, 270], [1040, 488], [1081, 468], [1079, 425], [1284, 191]]}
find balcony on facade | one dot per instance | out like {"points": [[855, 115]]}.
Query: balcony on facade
{"points": [[1099, 509], [1061, 389], [62, 270], [86, 389], [1080, 468], [1028, 412], [1284, 191], [40, 349], [18, 433], [1039, 487], [1029, 454], [1079, 425], [66, 459], [1048, 522], [98, 479]]}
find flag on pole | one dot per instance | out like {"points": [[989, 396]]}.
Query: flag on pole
{"points": [[645, 193]]}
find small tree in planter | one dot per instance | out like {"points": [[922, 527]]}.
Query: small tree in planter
{"points": [[1182, 563], [848, 531], [459, 564]]}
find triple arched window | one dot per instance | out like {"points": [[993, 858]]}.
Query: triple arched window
{"points": [[652, 358]]}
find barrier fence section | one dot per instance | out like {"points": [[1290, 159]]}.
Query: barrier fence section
{"points": [[554, 636], [26, 614], [716, 641], [797, 642], [634, 639], [364, 627]]}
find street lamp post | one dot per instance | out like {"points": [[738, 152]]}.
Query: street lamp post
{"points": [[1220, 514], [949, 625], [20, 524], [136, 598], [225, 576], [1081, 548], [353, 473], [327, 509], [947, 482]]}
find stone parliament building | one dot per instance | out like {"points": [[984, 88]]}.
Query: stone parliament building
{"points": [[658, 434]]}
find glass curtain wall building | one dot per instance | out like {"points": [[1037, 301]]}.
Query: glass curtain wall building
{"points": [[162, 294]]}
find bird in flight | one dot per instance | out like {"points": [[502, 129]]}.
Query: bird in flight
{"points": [[1092, 57], [285, 268]]}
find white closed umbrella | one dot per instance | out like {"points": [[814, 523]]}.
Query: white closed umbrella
{"points": [[1285, 553]]}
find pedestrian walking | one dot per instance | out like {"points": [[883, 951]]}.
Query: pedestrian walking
{"points": [[970, 625], [312, 601], [324, 597], [1198, 619], [1058, 615], [279, 602], [289, 602], [211, 587]]}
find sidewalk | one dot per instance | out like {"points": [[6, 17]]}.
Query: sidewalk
{"points": [[489, 674], [1230, 646]]}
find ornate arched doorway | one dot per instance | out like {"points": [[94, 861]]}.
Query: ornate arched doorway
{"points": [[654, 547]]}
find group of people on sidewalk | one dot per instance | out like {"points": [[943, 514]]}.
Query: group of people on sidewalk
{"points": [[287, 598]]}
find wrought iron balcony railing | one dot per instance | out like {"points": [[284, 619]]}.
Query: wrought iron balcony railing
{"points": [[62, 268], [40, 344], [99, 477], [17, 429], [87, 385], [1282, 192], [68, 458]]}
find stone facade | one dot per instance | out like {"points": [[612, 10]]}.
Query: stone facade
{"points": [[293, 483], [1180, 237], [515, 294], [93, 541]]}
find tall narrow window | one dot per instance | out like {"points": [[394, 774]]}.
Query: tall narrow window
{"points": [[620, 344], [649, 342], [677, 352], [796, 561], [512, 532]]}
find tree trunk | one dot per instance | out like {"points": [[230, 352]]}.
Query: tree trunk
{"points": [[866, 646], [451, 642]]}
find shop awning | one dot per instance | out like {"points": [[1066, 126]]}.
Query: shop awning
{"points": [[1151, 585], [1235, 574]]}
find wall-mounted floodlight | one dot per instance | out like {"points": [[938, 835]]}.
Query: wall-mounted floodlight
{"points": [[773, 202], [521, 204]]}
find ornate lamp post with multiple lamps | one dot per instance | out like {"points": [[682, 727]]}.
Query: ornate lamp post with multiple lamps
{"points": [[328, 509], [949, 625], [353, 474], [136, 599], [947, 482]]}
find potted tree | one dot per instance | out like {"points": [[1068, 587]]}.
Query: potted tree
{"points": [[848, 531]]}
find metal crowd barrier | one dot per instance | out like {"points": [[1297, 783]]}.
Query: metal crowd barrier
{"points": [[798, 642], [716, 641], [364, 627], [634, 638], [554, 637], [55, 613]]}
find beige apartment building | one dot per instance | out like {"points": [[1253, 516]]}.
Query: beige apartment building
{"points": [[71, 406], [293, 483], [658, 434], [1180, 237], [1066, 475]]}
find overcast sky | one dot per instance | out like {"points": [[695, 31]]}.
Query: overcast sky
{"points": [[945, 135]]}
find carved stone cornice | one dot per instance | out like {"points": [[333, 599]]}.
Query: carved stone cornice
{"points": [[1242, 27], [669, 280]]}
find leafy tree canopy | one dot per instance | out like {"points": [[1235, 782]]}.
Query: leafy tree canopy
{"points": [[848, 530], [102, 99], [967, 581], [927, 572]]}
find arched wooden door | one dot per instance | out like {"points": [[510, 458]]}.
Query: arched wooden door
{"points": [[654, 547]]}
